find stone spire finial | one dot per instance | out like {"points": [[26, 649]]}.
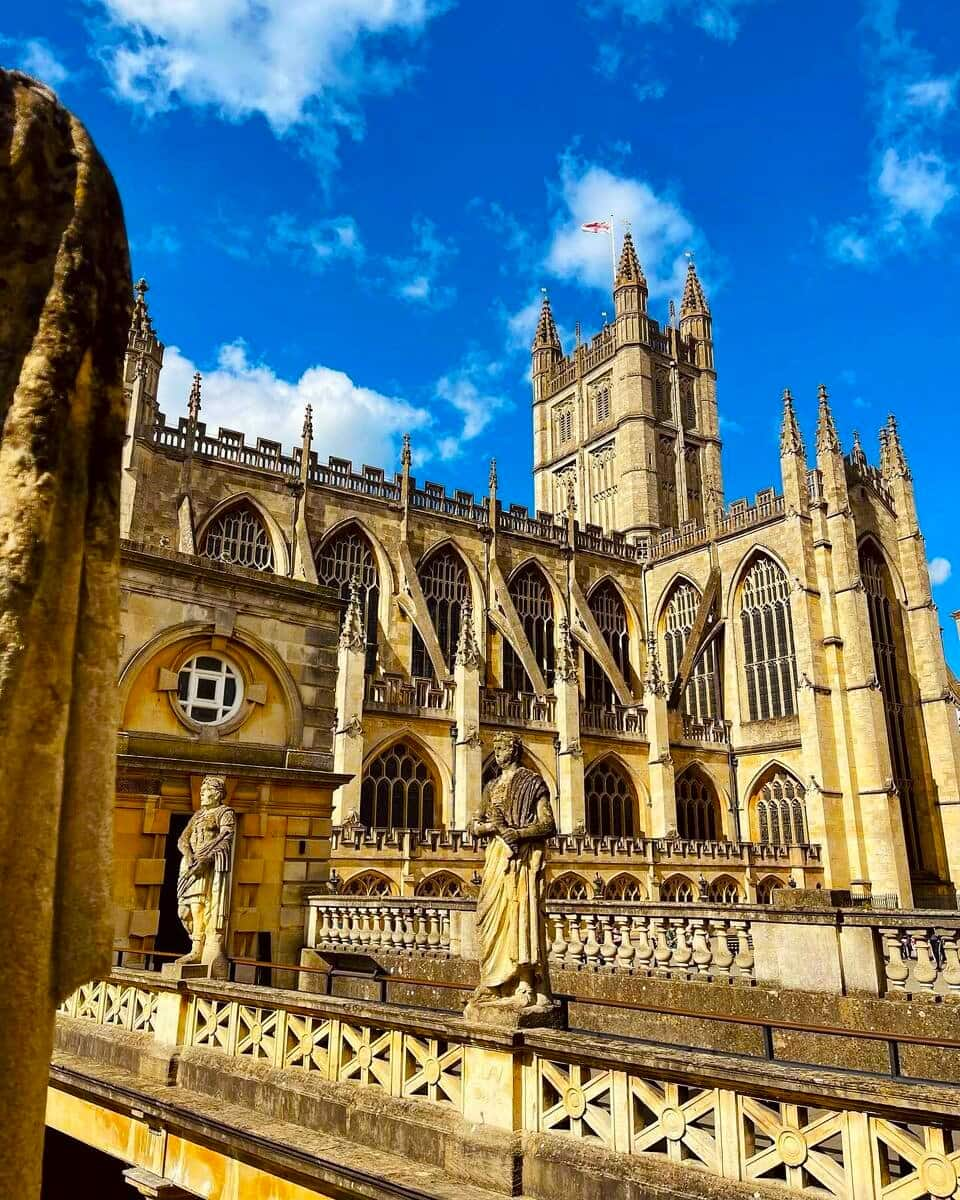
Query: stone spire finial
{"points": [[896, 459], [141, 324], [308, 423], [791, 439], [492, 480], [857, 455], [565, 668], [193, 402], [546, 334], [629, 269], [827, 440], [406, 454], [653, 684], [352, 636], [467, 653], [694, 301]]}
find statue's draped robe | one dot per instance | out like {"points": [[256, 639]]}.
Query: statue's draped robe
{"points": [[64, 313], [509, 929]]}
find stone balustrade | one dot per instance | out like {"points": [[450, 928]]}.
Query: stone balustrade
{"points": [[920, 958], [629, 720], [396, 693], [425, 927], [500, 707], [710, 730]]}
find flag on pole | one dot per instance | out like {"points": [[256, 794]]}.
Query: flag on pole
{"points": [[596, 227]]}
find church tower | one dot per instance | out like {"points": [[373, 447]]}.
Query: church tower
{"points": [[629, 419]]}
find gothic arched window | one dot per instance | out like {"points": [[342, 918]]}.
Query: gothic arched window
{"points": [[698, 807], [678, 889], [781, 811], [440, 884], [724, 890], [766, 888], [531, 597], [610, 801], [768, 656], [367, 883], [625, 887], [609, 612], [568, 887], [239, 536], [345, 556], [398, 790], [886, 631], [443, 579], [701, 696]]}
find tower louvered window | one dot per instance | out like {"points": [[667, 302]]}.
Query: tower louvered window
{"points": [[611, 618], [768, 653], [342, 558], [398, 791], [698, 808], [603, 403], [564, 424], [239, 537], [530, 594], [701, 696], [781, 811], [609, 801], [443, 578], [667, 483], [886, 629], [688, 404]]}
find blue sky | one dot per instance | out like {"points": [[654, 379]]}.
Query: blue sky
{"points": [[356, 203]]}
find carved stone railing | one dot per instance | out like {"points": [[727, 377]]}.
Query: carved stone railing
{"points": [[339, 473], [710, 730], [920, 957], [627, 719], [671, 541], [421, 926], [741, 515], [432, 497], [517, 519], [498, 706], [397, 693]]}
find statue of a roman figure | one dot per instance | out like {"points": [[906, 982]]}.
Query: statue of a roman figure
{"points": [[516, 818], [203, 887]]}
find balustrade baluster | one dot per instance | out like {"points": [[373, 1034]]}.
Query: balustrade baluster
{"points": [[366, 926], [722, 958], [422, 933], [558, 947], [662, 951], [625, 949], [591, 947], [336, 918], [608, 951], [445, 932], [645, 948], [353, 932], [433, 936], [896, 967], [574, 958], [744, 958], [409, 933], [323, 932], [951, 962], [702, 953], [398, 929], [682, 952], [925, 972], [376, 926]]}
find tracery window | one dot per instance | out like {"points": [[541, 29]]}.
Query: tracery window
{"points": [[568, 887], [398, 790], [609, 612], [781, 811], [886, 629], [724, 890], [701, 696], [688, 404], [698, 807], [663, 406], [563, 418], [343, 557], [531, 597], [610, 801], [239, 536], [603, 402], [768, 653], [440, 884], [367, 883], [766, 888], [678, 889], [667, 483], [625, 887], [443, 578]]}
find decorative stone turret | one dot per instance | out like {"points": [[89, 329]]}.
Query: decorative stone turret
{"points": [[546, 350], [570, 758], [467, 667], [630, 296], [830, 456], [695, 318], [141, 380], [793, 459], [348, 735], [303, 565]]}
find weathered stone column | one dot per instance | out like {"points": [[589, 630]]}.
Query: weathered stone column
{"points": [[663, 796], [466, 706], [570, 769], [65, 277], [348, 736]]}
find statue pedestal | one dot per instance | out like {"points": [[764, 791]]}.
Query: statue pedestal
{"points": [[505, 1016], [178, 970]]}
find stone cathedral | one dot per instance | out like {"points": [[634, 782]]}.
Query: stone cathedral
{"points": [[723, 698]]}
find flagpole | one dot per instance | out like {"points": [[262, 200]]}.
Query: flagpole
{"points": [[613, 250]]}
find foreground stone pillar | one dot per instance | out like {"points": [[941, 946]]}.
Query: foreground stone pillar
{"points": [[65, 283], [348, 737]]}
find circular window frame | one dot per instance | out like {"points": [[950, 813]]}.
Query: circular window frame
{"points": [[243, 704]]}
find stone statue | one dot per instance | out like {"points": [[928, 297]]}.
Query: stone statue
{"points": [[64, 315], [516, 818], [203, 887]]}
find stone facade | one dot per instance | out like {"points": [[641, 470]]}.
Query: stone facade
{"points": [[722, 698]]}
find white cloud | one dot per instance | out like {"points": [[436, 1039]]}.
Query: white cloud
{"points": [[303, 66], [161, 240], [349, 420], [661, 230], [917, 186], [317, 244], [717, 18], [415, 275], [36, 58], [475, 392], [911, 175], [940, 571]]}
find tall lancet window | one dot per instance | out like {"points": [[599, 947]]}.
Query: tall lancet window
{"points": [[531, 597], [701, 696], [768, 654], [886, 630], [345, 555], [608, 610], [238, 536], [443, 578]]}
